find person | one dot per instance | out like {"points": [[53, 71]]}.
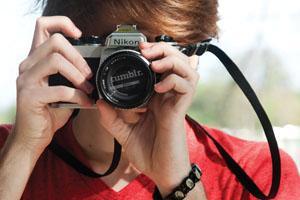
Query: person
{"points": [[158, 144]]}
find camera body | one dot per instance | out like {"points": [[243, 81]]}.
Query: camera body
{"points": [[121, 75]]}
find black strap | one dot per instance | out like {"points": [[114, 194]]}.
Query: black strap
{"points": [[81, 168], [241, 81]]}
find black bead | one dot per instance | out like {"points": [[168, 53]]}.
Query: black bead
{"points": [[164, 38]]}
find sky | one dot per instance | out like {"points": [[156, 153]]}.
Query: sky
{"points": [[243, 25]]}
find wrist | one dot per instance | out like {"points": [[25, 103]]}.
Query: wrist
{"points": [[166, 184], [33, 148], [16, 164], [184, 188]]}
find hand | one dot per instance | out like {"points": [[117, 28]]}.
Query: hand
{"points": [[36, 122], [156, 145]]}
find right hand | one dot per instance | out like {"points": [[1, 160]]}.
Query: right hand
{"points": [[36, 122]]}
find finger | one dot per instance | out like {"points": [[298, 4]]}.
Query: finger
{"points": [[55, 94], [110, 120], [56, 63], [176, 65], [174, 83], [108, 114], [159, 50], [57, 44], [46, 26], [145, 45], [194, 62]]}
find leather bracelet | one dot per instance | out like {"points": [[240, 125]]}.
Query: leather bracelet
{"points": [[185, 186]]}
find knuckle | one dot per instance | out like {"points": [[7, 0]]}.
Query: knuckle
{"points": [[62, 92], [55, 59], [39, 22], [80, 80], [66, 20], [22, 66], [55, 62], [172, 77], [172, 58], [19, 82], [23, 82], [175, 59], [78, 60], [25, 95], [78, 96], [194, 81], [56, 39], [21, 93], [162, 44]]}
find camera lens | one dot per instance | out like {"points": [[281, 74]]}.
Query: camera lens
{"points": [[125, 79]]}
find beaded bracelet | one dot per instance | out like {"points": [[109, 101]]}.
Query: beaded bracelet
{"points": [[185, 186]]}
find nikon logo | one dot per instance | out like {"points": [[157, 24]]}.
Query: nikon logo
{"points": [[130, 74], [125, 42]]}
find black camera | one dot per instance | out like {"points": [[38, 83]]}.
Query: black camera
{"points": [[121, 75]]}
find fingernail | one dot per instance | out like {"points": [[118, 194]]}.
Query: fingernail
{"points": [[157, 85], [89, 76], [154, 63], [77, 31]]}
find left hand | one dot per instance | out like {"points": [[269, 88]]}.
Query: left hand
{"points": [[156, 145]]}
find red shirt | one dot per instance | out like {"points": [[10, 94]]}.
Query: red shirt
{"points": [[52, 178]]}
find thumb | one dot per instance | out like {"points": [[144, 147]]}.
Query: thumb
{"points": [[110, 120], [61, 117]]}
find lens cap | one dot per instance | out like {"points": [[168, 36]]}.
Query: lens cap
{"points": [[125, 79]]}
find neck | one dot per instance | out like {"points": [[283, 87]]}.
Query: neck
{"points": [[97, 144]]}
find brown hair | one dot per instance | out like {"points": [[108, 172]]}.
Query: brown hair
{"points": [[187, 21]]}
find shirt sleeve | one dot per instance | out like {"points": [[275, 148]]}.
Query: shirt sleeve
{"points": [[262, 176], [4, 131]]}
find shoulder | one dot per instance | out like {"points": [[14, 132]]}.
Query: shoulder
{"points": [[5, 129], [253, 157], [205, 137], [260, 170]]}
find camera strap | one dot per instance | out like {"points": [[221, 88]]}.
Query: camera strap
{"points": [[71, 160], [235, 168]]}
